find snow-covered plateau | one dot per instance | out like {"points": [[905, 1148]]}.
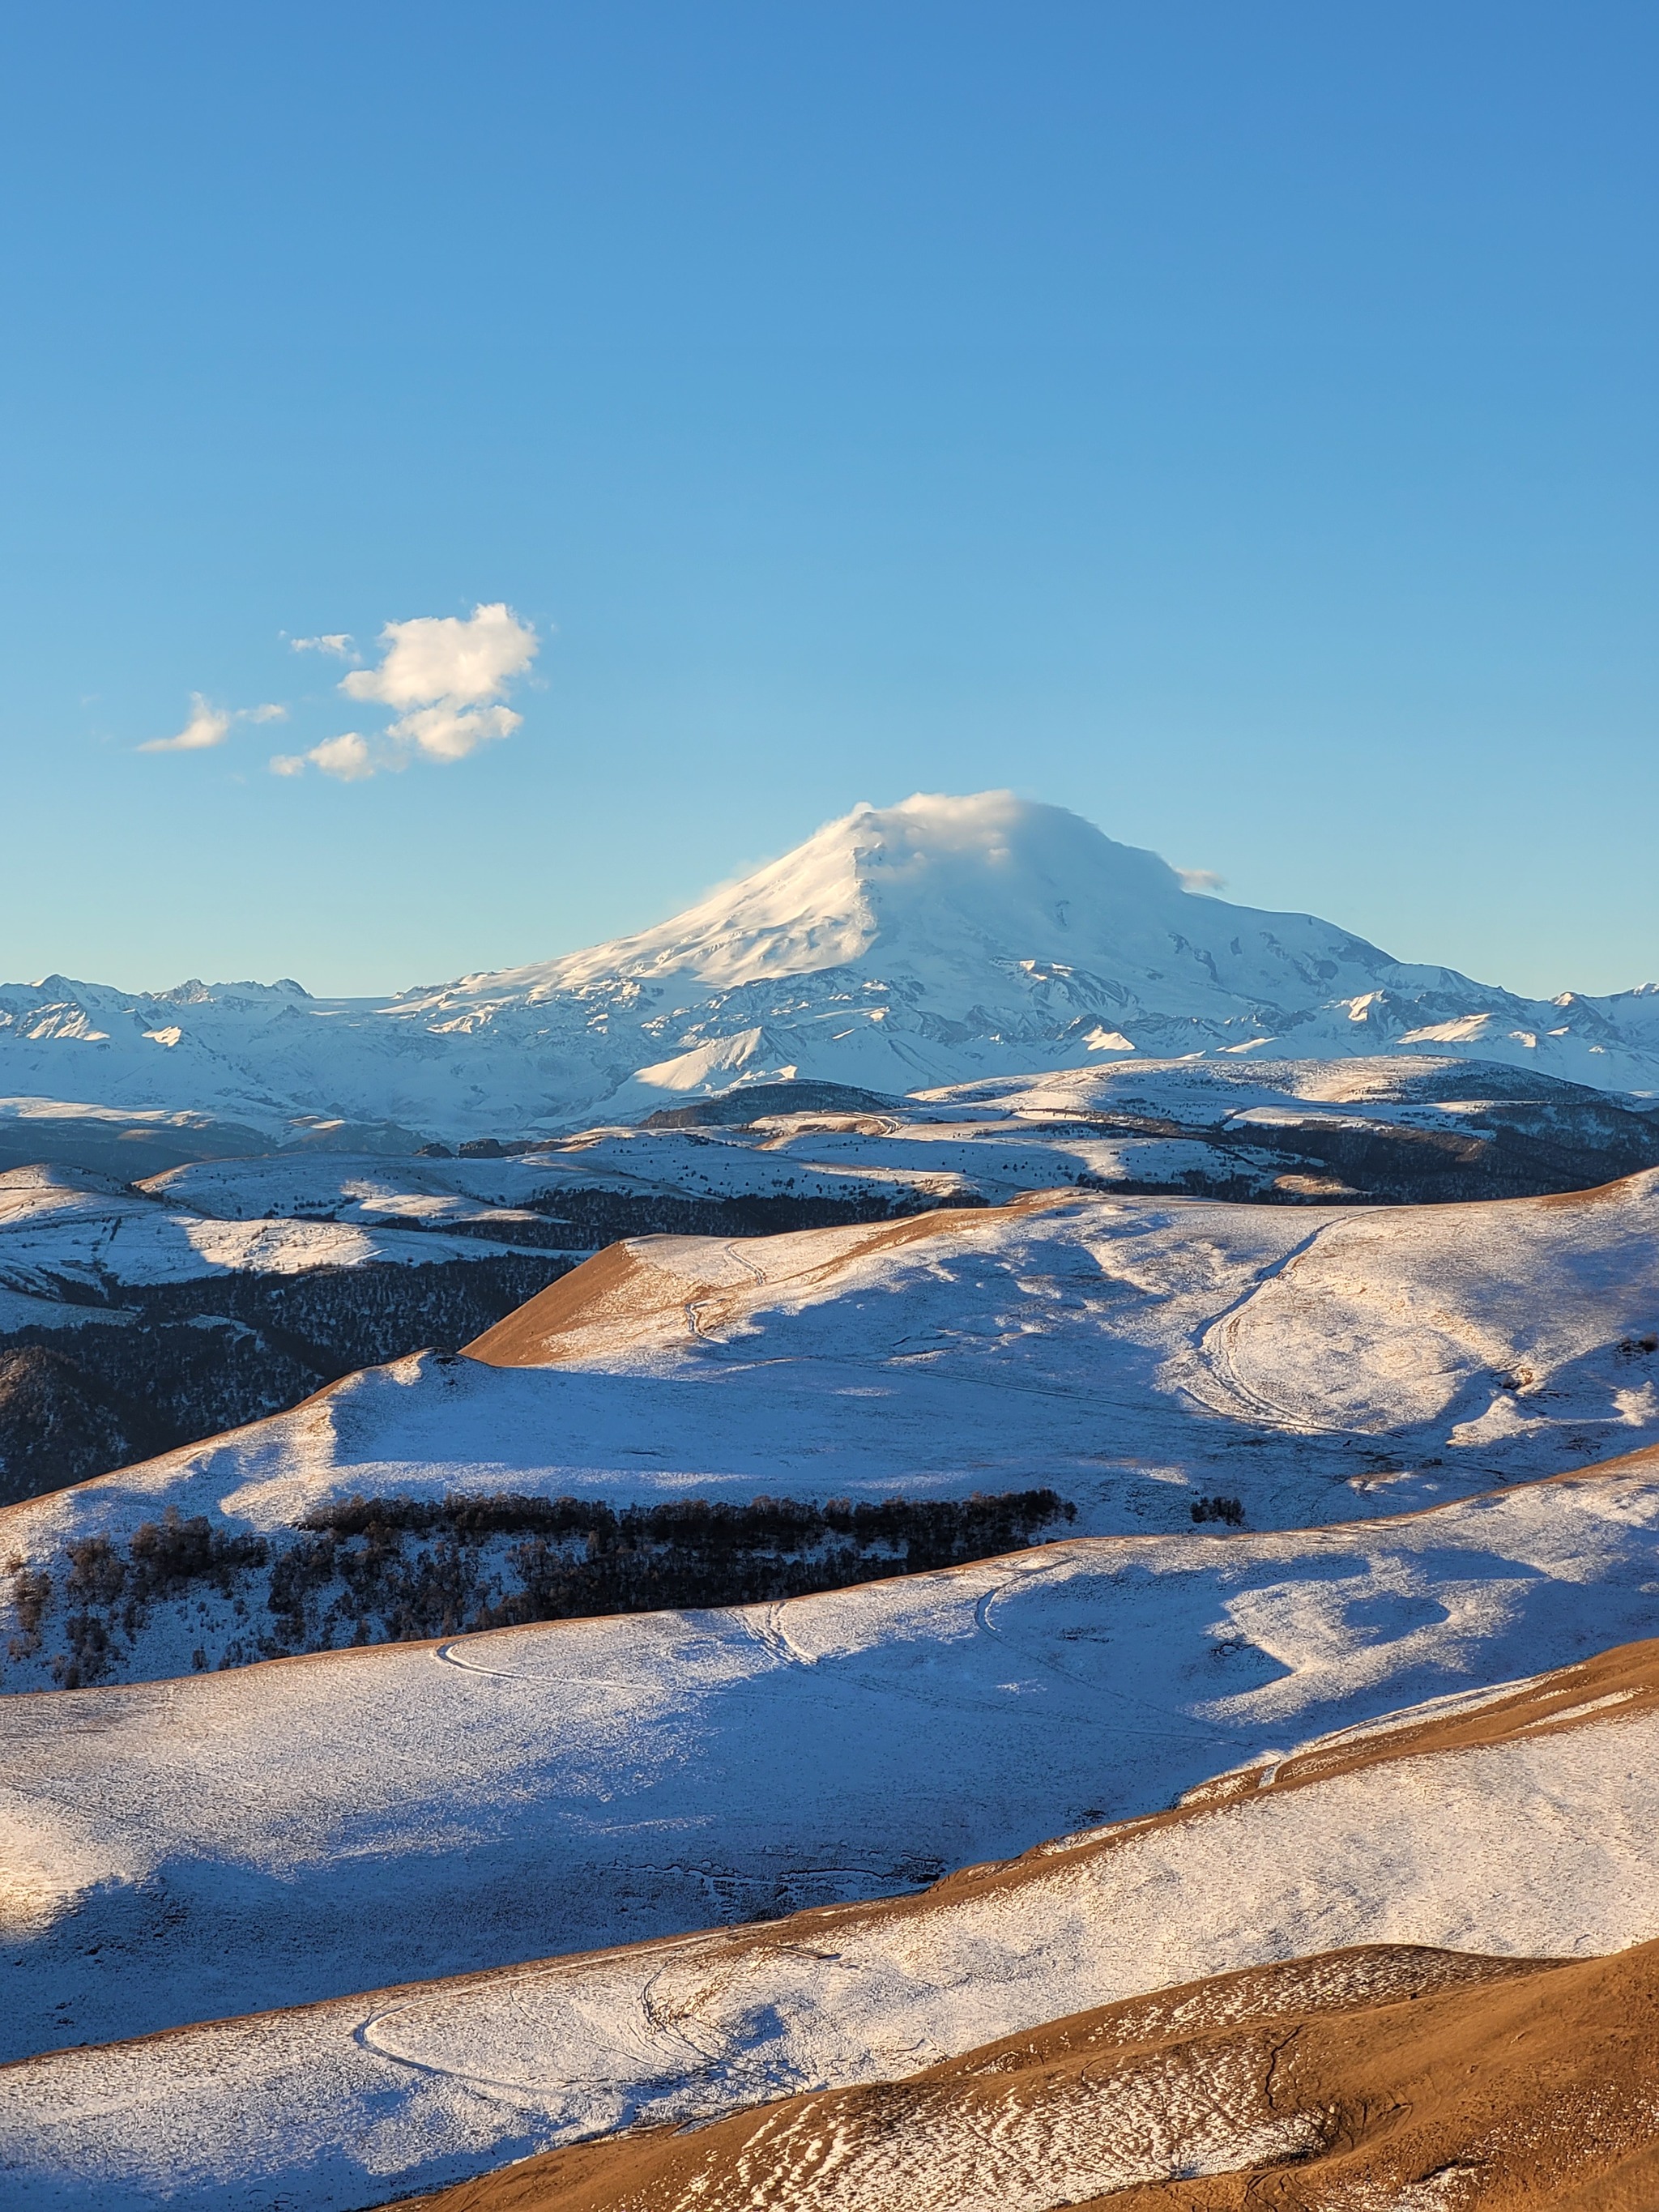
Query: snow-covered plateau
{"points": [[942, 941]]}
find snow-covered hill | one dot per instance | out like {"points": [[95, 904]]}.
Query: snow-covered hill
{"points": [[1519, 1822], [267, 1835], [941, 941], [1138, 1357], [254, 1253], [1353, 2078]]}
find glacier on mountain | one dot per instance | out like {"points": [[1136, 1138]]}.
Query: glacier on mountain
{"points": [[943, 940]]}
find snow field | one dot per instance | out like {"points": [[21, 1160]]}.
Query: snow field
{"points": [[60, 1228], [267, 1835], [355, 2101]]}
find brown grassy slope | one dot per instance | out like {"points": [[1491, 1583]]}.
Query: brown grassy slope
{"points": [[1540, 2091], [1360, 2081], [620, 1288], [602, 1290], [1331, 2084]]}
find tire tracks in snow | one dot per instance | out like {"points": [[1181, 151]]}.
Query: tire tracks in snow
{"points": [[1213, 1351], [693, 1307], [647, 2026]]}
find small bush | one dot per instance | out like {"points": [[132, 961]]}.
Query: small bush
{"points": [[97, 1572], [31, 1594], [171, 1551], [1230, 1510]]}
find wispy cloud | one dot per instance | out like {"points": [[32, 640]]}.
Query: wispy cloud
{"points": [[1201, 879], [339, 642], [348, 757], [207, 726], [210, 726], [447, 678]]}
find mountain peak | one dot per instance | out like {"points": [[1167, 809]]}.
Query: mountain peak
{"points": [[986, 876], [942, 940]]}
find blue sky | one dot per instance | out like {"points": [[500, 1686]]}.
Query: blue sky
{"points": [[1233, 422]]}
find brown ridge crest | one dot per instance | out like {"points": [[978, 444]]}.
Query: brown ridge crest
{"points": [[620, 1286], [1381, 2078]]}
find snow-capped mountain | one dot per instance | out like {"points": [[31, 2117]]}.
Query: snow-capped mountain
{"points": [[939, 941]]}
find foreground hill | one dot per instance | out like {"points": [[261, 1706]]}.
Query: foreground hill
{"points": [[269, 1835], [1384, 2075], [1522, 1824], [945, 940]]}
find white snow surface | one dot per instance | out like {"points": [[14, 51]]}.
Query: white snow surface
{"points": [[625, 1162], [270, 1835], [940, 941], [1132, 1353], [68, 1237], [1544, 1845], [1150, 1124]]}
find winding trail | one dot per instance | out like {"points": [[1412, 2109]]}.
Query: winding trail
{"points": [[659, 2030], [693, 1308], [1214, 1350], [446, 1656]]}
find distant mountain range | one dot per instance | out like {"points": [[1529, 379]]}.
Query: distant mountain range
{"points": [[944, 940]]}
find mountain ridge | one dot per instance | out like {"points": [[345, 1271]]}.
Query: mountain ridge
{"points": [[942, 940]]}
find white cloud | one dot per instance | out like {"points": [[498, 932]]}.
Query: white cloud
{"points": [[440, 657], [1201, 879], [207, 726], [348, 757], [446, 733], [339, 642], [210, 726], [447, 678]]}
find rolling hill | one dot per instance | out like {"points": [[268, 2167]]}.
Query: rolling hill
{"points": [[1519, 1825]]}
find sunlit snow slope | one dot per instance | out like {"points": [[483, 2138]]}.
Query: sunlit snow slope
{"points": [[1523, 1823], [939, 941], [1137, 1356], [269, 1835]]}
